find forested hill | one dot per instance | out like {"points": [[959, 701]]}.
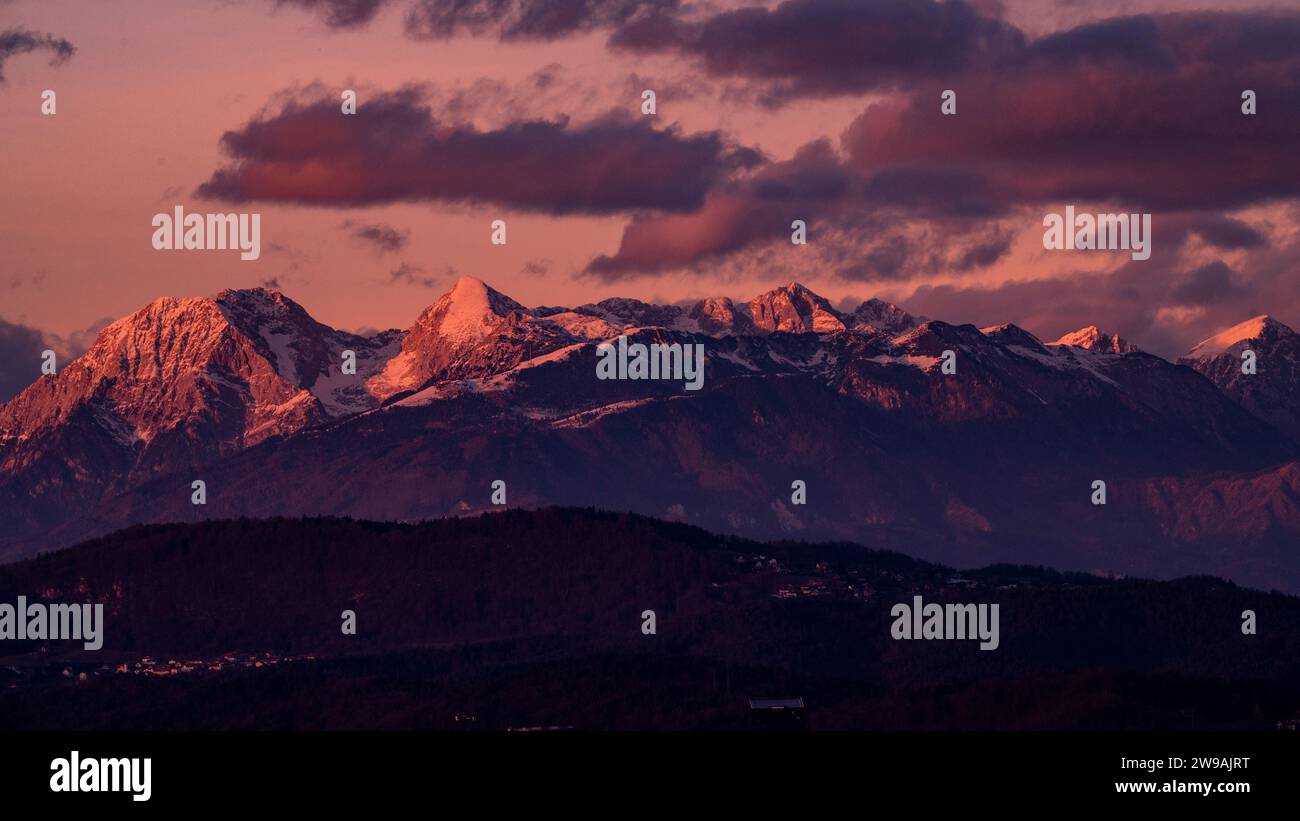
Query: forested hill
{"points": [[587, 578]]}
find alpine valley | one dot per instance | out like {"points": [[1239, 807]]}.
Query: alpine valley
{"points": [[994, 463]]}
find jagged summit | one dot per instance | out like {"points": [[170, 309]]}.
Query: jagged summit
{"points": [[187, 379], [882, 316], [794, 308], [169, 340], [258, 294], [633, 312], [176, 383], [1093, 339], [790, 308], [172, 331]]}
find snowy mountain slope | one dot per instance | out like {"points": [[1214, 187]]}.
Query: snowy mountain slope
{"points": [[1270, 392]]}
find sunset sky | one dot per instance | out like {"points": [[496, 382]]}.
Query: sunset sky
{"points": [[529, 111]]}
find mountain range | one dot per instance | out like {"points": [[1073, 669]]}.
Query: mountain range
{"points": [[995, 462]]}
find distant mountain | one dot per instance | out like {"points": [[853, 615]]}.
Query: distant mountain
{"points": [[1090, 338], [993, 462], [179, 383], [794, 310], [882, 316], [1271, 392], [471, 331], [791, 308]]}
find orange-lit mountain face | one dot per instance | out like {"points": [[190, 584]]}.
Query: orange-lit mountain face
{"points": [[281, 415]]}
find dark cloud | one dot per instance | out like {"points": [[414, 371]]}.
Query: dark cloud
{"points": [[937, 191], [984, 253], [803, 48], [1227, 233], [20, 358], [307, 153], [1210, 284], [829, 47], [78, 342], [17, 41], [35, 280], [525, 19], [726, 223], [896, 247], [385, 238], [1153, 125], [536, 267], [1137, 113], [21, 349], [340, 14], [892, 224], [1134, 40], [1159, 304], [757, 210], [1231, 39], [408, 274], [549, 93], [824, 183]]}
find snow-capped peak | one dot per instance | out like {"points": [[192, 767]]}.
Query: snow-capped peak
{"points": [[472, 329], [468, 310], [1253, 328], [1093, 339]]}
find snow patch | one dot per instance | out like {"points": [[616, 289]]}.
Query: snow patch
{"points": [[487, 384], [583, 326], [341, 394], [585, 418], [468, 310], [1065, 358], [925, 363], [285, 363], [736, 359]]}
